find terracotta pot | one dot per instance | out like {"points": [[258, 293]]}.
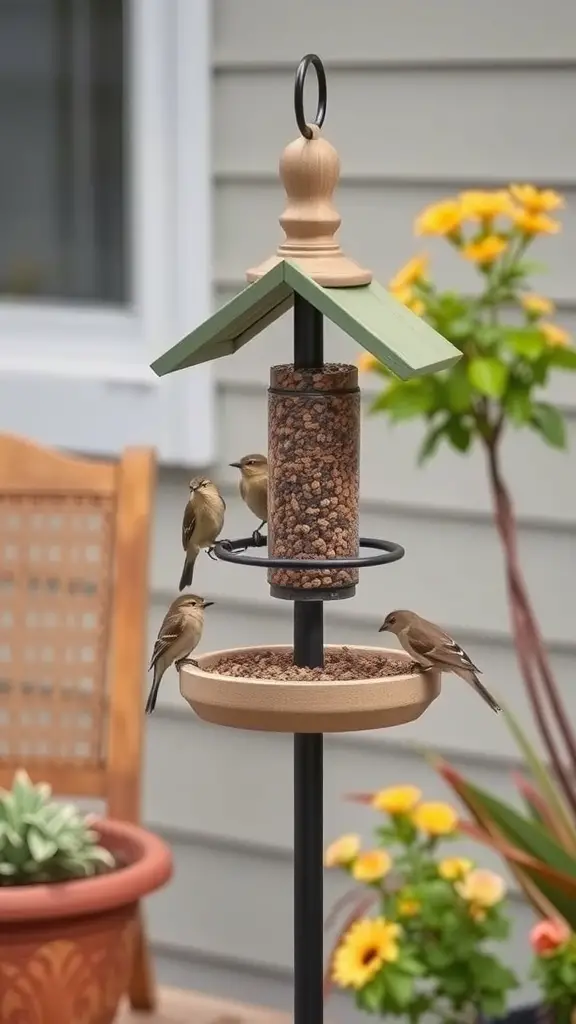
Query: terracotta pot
{"points": [[66, 950], [283, 706]]}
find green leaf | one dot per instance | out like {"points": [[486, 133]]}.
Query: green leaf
{"points": [[526, 342], [431, 441], [41, 849], [458, 434], [563, 358], [518, 402], [400, 987], [489, 376], [458, 389], [406, 399], [549, 422]]}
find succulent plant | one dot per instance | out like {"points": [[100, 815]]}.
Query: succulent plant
{"points": [[44, 841]]}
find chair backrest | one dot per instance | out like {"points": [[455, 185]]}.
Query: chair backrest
{"points": [[74, 550]]}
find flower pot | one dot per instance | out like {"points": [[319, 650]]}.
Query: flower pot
{"points": [[67, 949], [275, 705]]}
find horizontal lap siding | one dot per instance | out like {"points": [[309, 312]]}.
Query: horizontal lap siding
{"points": [[423, 99]]}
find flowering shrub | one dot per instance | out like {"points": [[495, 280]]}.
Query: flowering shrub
{"points": [[555, 967], [425, 949]]}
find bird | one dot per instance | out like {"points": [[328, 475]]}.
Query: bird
{"points": [[431, 647], [202, 523], [179, 634], [254, 486]]}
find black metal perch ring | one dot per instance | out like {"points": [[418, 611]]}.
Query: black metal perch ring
{"points": [[229, 551], [303, 125]]}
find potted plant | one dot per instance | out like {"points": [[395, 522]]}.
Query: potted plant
{"points": [[427, 949], [554, 968], [69, 892]]}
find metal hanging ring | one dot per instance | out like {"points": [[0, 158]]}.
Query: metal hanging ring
{"points": [[303, 125]]}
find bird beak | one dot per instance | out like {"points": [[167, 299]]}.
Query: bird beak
{"points": [[235, 465], [208, 604], [382, 628]]}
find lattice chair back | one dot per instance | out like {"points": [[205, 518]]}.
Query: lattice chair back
{"points": [[74, 540]]}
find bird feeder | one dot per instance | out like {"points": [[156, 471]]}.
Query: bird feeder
{"points": [[314, 547]]}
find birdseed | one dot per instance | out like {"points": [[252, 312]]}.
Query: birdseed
{"points": [[313, 472], [341, 664]]}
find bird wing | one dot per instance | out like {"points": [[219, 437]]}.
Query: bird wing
{"points": [[439, 646], [170, 630], [188, 524]]}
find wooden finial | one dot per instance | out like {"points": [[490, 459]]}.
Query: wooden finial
{"points": [[309, 171]]}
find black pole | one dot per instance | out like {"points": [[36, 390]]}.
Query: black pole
{"points": [[308, 757]]}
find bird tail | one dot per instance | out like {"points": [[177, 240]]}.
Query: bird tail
{"points": [[475, 683], [188, 570], [153, 695]]}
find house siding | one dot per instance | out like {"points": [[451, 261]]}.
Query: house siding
{"points": [[423, 99]]}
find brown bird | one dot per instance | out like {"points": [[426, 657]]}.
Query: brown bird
{"points": [[431, 647], [202, 523], [179, 634], [254, 486]]}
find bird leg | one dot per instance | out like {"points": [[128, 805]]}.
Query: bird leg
{"points": [[185, 661], [210, 553], [257, 536]]}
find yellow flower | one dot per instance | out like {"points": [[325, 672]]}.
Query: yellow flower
{"points": [[453, 868], [444, 218], [482, 888], [413, 271], [371, 866], [537, 304], [554, 335], [436, 819], [367, 362], [397, 799], [532, 223], [476, 913], [406, 907], [486, 250], [342, 851], [365, 947], [536, 200], [408, 299], [486, 205]]}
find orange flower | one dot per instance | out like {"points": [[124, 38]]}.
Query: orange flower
{"points": [[366, 362], [436, 819], [342, 851], [412, 271], [555, 336], [548, 936], [537, 304], [397, 799], [531, 223], [486, 250], [537, 200], [371, 866], [482, 888], [444, 218]]}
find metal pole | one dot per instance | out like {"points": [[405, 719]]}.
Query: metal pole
{"points": [[308, 757]]}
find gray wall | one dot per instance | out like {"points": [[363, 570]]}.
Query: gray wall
{"points": [[423, 99]]}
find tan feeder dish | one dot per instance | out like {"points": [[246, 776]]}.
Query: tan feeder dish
{"points": [[313, 504]]}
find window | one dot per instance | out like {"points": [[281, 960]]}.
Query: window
{"points": [[105, 199], [62, 125]]}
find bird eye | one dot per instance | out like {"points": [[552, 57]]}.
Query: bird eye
{"points": [[391, 619]]}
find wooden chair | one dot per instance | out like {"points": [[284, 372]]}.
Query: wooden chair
{"points": [[74, 550]]}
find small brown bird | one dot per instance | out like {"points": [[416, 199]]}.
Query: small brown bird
{"points": [[254, 485], [202, 523], [180, 633], [431, 647]]}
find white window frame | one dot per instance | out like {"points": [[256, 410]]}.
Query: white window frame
{"points": [[169, 240]]}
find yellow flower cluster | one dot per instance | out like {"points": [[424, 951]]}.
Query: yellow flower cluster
{"points": [[402, 284], [367, 866], [481, 889], [366, 946], [526, 206], [536, 306], [433, 818]]}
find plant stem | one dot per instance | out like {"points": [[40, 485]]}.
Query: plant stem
{"points": [[528, 640]]}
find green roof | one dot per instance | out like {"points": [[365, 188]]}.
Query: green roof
{"points": [[404, 342]]}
